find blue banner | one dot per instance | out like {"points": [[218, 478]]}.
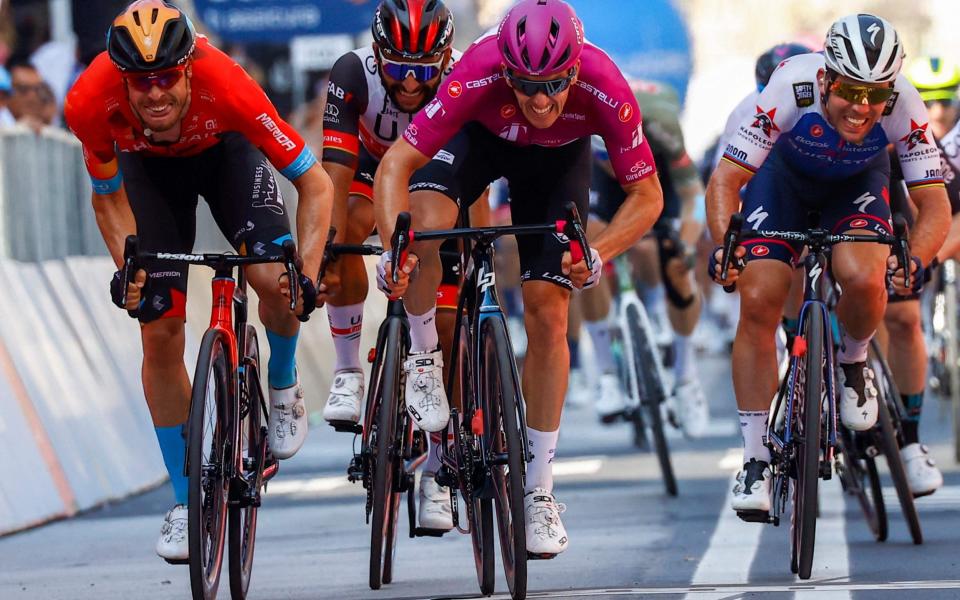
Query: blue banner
{"points": [[279, 20], [647, 40]]}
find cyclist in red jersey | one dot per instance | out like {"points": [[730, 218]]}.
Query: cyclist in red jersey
{"points": [[164, 117], [499, 114]]}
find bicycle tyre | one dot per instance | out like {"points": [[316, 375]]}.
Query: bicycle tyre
{"points": [[242, 520], [652, 393], [808, 468], [208, 482], [382, 455], [858, 476], [501, 397]]}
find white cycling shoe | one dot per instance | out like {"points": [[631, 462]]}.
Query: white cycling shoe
{"points": [[923, 476], [611, 399], [173, 545], [694, 412], [858, 400], [426, 399], [346, 397], [288, 420], [578, 392], [434, 512], [546, 535], [751, 492]]}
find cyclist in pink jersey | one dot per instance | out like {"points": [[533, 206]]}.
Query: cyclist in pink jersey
{"points": [[521, 104]]}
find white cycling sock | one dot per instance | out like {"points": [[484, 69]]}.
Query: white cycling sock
{"points": [[853, 351], [345, 323], [542, 445], [423, 331], [753, 426], [683, 361], [600, 336], [433, 463]]}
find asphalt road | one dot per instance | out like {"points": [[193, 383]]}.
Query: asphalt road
{"points": [[628, 539]]}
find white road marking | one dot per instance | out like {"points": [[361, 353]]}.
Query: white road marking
{"points": [[947, 497], [585, 466]]}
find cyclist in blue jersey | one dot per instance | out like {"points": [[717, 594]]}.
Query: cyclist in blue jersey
{"points": [[817, 142]]}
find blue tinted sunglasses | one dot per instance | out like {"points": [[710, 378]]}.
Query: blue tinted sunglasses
{"points": [[551, 87], [401, 70]]}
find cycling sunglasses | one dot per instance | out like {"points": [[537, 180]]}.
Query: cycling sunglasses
{"points": [[550, 87], [858, 93], [401, 70], [144, 82]]}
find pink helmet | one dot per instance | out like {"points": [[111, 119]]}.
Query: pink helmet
{"points": [[540, 37]]}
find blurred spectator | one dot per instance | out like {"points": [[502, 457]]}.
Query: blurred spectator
{"points": [[32, 102], [6, 86]]}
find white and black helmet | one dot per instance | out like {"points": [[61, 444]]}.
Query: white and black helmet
{"points": [[864, 47]]}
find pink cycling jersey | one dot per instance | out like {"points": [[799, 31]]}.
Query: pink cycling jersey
{"points": [[601, 103]]}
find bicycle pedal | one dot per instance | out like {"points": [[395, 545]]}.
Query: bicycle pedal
{"points": [[346, 426], [755, 516], [540, 556], [177, 561], [922, 494], [424, 532]]}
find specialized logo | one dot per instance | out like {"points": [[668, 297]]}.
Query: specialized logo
{"points": [[917, 135], [858, 223], [757, 217], [760, 251], [816, 131], [763, 121], [873, 30], [455, 89], [625, 112], [803, 93], [815, 274], [864, 201], [507, 111]]}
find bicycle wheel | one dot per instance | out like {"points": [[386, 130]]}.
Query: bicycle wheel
{"points": [[401, 480], [501, 398], [859, 478], [382, 444], [209, 456], [242, 524], [804, 517], [652, 391]]}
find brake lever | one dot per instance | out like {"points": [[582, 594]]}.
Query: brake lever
{"points": [[573, 229], [293, 264], [399, 243], [731, 239], [902, 234], [131, 247]]}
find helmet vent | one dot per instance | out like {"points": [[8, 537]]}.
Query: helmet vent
{"points": [[554, 32], [136, 19], [154, 15], [563, 57]]}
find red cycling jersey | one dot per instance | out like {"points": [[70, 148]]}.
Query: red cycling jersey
{"points": [[222, 98]]}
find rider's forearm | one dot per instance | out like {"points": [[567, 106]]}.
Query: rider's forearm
{"points": [[933, 222], [342, 177], [951, 246], [690, 228], [115, 220], [315, 193], [723, 198], [390, 186], [640, 209]]}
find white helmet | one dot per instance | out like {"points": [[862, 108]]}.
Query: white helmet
{"points": [[864, 47]]}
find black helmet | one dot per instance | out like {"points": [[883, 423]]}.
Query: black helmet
{"points": [[768, 61], [150, 35], [413, 28]]}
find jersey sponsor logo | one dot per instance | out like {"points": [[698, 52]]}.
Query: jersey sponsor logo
{"points": [[639, 170], [507, 111], [637, 138], [803, 93], [816, 131], [479, 83], [271, 126], [891, 102], [573, 117], [763, 121], [513, 131], [757, 217], [598, 94], [413, 130], [331, 114], [455, 88], [335, 90], [760, 251], [625, 112], [210, 124], [917, 135], [435, 106], [444, 156], [858, 223], [735, 152], [864, 201]]}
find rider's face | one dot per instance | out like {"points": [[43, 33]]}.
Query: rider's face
{"points": [[409, 93], [158, 105], [541, 110], [853, 120]]}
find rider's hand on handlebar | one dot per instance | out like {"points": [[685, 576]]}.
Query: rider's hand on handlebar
{"points": [[385, 278], [896, 278], [307, 300], [133, 289], [733, 273], [580, 276]]}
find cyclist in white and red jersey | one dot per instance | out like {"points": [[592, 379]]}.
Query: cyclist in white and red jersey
{"points": [[165, 117], [817, 142], [521, 104]]}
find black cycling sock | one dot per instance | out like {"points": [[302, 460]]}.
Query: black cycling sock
{"points": [[911, 424]]}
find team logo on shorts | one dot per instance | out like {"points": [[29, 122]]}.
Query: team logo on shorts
{"points": [[917, 135], [763, 121], [760, 251], [626, 111], [858, 223], [816, 131], [507, 111], [455, 89]]}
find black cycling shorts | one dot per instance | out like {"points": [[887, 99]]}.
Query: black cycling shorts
{"points": [[541, 180], [607, 195], [237, 183]]}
